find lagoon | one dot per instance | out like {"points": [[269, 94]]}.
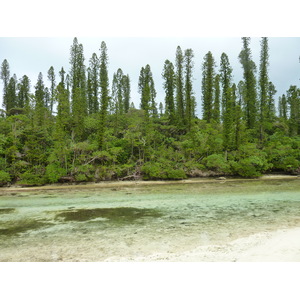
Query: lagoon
{"points": [[140, 221]]}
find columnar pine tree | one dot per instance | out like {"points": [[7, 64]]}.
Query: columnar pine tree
{"points": [[227, 103], [147, 91], [51, 77], [283, 110], [63, 109], [293, 99], [117, 93], [180, 105], [104, 92], [40, 106], [169, 86], [93, 78], [11, 95], [271, 110], [5, 76], [208, 74], [188, 87], [263, 86], [216, 104], [126, 91], [249, 67], [78, 92], [24, 93]]}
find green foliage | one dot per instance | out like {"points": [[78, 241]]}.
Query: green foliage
{"points": [[217, 163], [4, 178], [54, 173], [157, 170], [96, 135], [33, 176]]}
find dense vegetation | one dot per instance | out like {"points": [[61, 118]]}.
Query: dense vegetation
{"points": [[81, 129]]}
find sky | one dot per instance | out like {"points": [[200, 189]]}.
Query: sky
{"points": [[31, 55]]}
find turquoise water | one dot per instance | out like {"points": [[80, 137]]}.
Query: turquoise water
{"points": [[95, 223]]}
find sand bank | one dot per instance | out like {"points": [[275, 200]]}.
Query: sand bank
{"points": [[113, 184], [277, 246]]}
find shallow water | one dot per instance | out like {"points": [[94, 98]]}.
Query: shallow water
{"points": [[98, 223]]}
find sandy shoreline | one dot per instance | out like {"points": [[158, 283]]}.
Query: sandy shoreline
{"points": [[277, 246], [107, 184]]}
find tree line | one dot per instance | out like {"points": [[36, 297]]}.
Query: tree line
{"points": [[81, 128]]}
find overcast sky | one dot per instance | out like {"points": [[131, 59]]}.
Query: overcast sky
{"points": [[29, 56]]}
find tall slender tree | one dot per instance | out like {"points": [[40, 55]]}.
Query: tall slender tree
{"points": [[5, 76], [40, 105], [208, 74], [147, 91], [11, 95], [227, 102], [293, 99], [180, 105], [188, 87], [126, 91], [250, 101], [51, 77], [93, 78], [216, 114], [169, 86], [78, 92], [24, 93], [104, 92], [263, 86], [283, 110]]}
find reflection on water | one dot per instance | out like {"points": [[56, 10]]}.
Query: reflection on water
{"points": [[165, 217]]}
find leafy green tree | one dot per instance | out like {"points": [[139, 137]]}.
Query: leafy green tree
{"points": [[169, 86], [263, 86], [208, 74], [126, 91], [117, 93], [104, 92], [40, 110], [216, 115], [5, 76], [250, 101], [293, 99], [78, 92], [188, 87], [271, 110], [180, 105], [228, 103], [147, 91], [11, 95], [93, 89], [51, 77], [63, 122], [24, 93], [283, 110]]}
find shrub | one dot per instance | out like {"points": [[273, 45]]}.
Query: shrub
{"points": [[54, 172], [217, 163], [4, 178]]}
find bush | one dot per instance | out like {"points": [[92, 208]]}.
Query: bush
{"points": [[156, 170], [33, 176], [54, 172], [217, 163], [4, 178], [251, 166]]}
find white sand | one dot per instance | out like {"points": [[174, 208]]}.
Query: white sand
{"points": [[278, 246]]}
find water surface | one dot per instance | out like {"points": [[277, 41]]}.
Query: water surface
{"points": [[95, 223]]}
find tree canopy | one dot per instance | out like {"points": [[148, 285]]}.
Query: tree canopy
{"points": [[80, 126]]}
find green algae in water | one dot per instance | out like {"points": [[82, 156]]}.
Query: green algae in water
{"points": [[9, 229], [117, 214], [7, 210]]}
